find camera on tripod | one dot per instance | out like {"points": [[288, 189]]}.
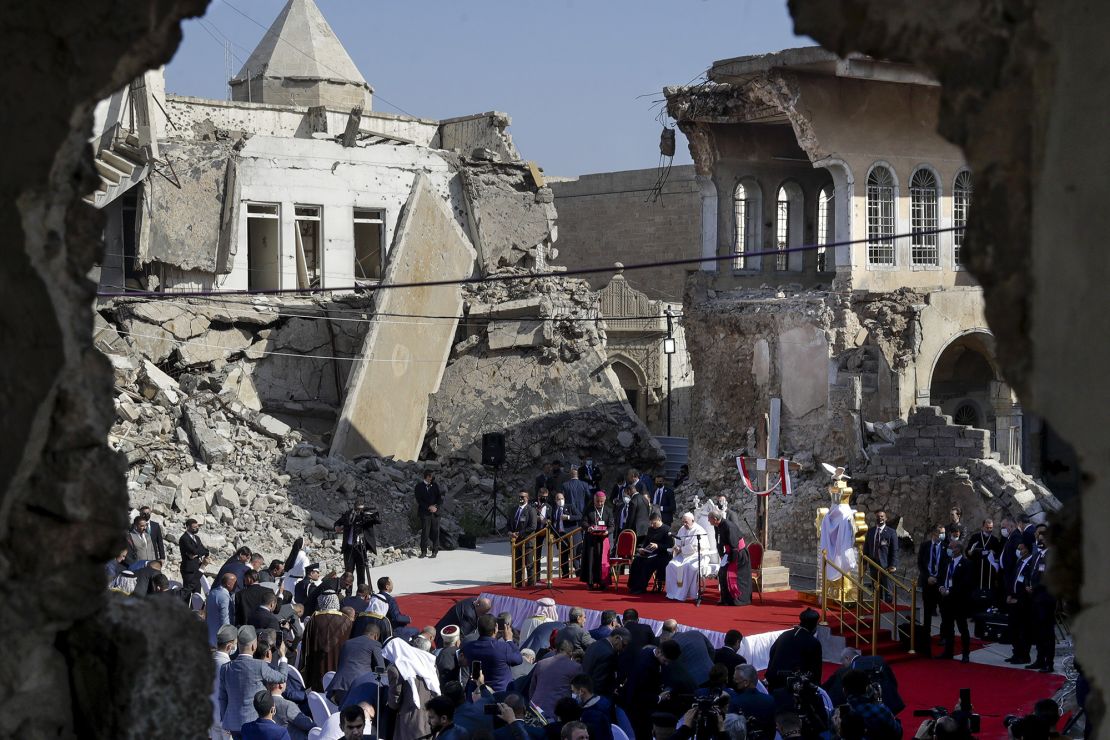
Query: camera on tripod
{"points": [[709, 709], [969, 721]]}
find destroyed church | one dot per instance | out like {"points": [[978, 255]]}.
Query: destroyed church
{"points": [[263, 356], [874, 350]]}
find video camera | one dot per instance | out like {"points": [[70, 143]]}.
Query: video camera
{"points": [[365, 518], [709, 709], [808, 703], [969, 721]]}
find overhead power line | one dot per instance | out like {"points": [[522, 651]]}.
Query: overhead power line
{"points": [[529, 276]]}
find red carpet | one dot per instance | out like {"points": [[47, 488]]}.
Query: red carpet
{"points": [[923, 683], [778, 610]]}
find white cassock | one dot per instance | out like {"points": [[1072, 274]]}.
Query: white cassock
{"points": [[297, 572], [709, 542], [683, 570], [838, 539]]}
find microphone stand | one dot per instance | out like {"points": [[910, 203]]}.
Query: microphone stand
{"points": [[701, 581]]}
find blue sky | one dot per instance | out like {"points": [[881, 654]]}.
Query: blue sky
{"points": [[578, 77]]}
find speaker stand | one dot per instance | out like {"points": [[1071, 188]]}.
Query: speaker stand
{"points": [[494, 509]]}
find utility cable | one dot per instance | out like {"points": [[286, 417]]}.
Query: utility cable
{"points": [[514, 277]]}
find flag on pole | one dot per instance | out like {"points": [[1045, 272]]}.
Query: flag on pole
{"points": [[779, 466]]}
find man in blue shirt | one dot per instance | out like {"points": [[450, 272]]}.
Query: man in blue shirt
{"points": [[497, 656]]}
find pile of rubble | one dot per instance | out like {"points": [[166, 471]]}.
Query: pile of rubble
{"points": [[198, 447]]}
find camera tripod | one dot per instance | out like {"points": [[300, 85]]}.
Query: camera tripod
{"points": [[494, 509]]}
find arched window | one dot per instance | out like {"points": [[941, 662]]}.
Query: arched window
{"points": [[825, 227], [782, 228], [961, 201], [924, 206], [741, 207], [880, 216]]}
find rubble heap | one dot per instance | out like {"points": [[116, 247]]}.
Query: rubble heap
{"points": [[195, 448]]}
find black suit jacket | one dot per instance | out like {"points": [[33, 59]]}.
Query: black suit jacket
{"points": [[428, 496], [961, 582], [639, 514], [600, 664], [363, 535], [666, 504], [154, 529], [525, 522], [247, 600], [461, 614], [396, 618], [264, 619], [885, 551], [924, 553], [191, 553], [794, 650], [729, 657]]}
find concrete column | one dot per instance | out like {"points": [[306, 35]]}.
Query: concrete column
{"points": [[708, 221]]}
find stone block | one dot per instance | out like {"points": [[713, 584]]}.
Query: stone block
{"points": [[514, 334], [926, 443], [948, 431], [227, 496], [158, 387], [1024, 498], [295, 465], [939, 420], [909, 432], [925, 412], [315, 473], [962, 443], [933, 431], [212, 448]]}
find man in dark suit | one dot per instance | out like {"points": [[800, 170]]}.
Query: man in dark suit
{"points": [[575, 631], [748, 700], [730, 655], [497, 656], [264, 728], [263, 617], [358, 655], [662, 500], [563, 519], [193, 553], [930, 556], [397, 620], [600, 660], [154, 529], [464, 615], [955, 600], [881, 545], [797, 649], [357, 527], [523, 522], [248, 598], [1019, 602], [238, 564], [1043, 606], [640, 636], [144, 577], [429, 499], [639, 513], [590, 472], [305, 592]]}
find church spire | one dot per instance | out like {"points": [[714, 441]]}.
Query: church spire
{"points": [[300, 61]]}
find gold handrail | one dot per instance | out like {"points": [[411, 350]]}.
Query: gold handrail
{"points": [[909, 586], [520, 547], [555, 544], [860, 610]]}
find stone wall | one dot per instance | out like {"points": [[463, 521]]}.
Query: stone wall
{"points": [[612, 216]]}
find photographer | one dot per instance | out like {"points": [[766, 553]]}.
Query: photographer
{"points": [[706, 720], [357, 526], [880, 722]]}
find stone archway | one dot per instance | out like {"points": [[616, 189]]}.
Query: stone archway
{"points": [[634, 384]]}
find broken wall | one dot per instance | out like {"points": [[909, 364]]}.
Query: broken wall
{"points": [[385, 411], [531, 363], [470, 135]]}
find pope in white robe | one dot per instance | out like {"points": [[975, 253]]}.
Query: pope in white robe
{"points": [[686, 565]]}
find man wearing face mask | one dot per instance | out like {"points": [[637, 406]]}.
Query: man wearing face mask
{"points": [[1007, 558], [929, 558], [523, 522], [881, 545], [1043, 604], [955, 594], [562, 521], [980, 546], [1019, 591]]}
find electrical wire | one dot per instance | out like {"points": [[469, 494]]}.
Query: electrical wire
{"points": [[535, 275]]}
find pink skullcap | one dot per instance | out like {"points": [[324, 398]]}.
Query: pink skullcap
{"points": [[599, 494]]}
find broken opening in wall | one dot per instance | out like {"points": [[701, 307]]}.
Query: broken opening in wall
{"points": [[309, 231], [263, 246], [961, 382], [369, 241], [129, 206], [788, 226]]}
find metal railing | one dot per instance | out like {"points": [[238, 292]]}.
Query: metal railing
{"points": [[887, 581], [544, 542], [863, 608]]}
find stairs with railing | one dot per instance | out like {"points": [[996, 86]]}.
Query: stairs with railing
{"points": [[876, 615], [121, 164]]}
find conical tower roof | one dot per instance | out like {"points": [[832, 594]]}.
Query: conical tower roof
{"points": [[300, 61]]}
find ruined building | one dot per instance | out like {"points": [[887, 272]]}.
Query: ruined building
{"points": [[802, 147], [265, 352]]}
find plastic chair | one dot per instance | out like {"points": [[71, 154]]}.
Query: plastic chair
{"points": [[318, 708], [196, 602], [755, 556], [327, 679], [292, 670], [618, 733], [626, 549]]}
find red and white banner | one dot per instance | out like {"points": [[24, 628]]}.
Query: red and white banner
{"points": [[777, 466]]}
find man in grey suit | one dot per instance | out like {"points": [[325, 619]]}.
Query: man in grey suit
{"points": [[639, 514], [575, 632], [244, 677], [289, 715]]}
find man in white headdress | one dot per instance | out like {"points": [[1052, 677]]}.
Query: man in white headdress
{"points": [[690, 560], [545, 612]]}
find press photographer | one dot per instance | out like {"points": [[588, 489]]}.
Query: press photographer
{"points": [[357, 526]]}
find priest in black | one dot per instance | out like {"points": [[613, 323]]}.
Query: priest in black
{"points": [[429, 498], [651, 557], [735, 574], [596, 521]]}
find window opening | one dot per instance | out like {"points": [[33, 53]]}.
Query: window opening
{"points": [[961, 201], [309, 254], [369, 256], [782, 229], [923, 218], [880, 217], [263, 246]]}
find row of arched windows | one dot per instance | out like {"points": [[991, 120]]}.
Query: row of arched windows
{"points": [[924, 215], [747, 207]]}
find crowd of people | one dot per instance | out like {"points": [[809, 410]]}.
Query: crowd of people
{"points": [[300, 652]]}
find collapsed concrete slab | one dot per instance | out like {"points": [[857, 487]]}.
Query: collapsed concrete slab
{"points": [[401, 363]]}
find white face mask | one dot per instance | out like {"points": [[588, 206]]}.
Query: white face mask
{"points": [[1005, 532]]}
